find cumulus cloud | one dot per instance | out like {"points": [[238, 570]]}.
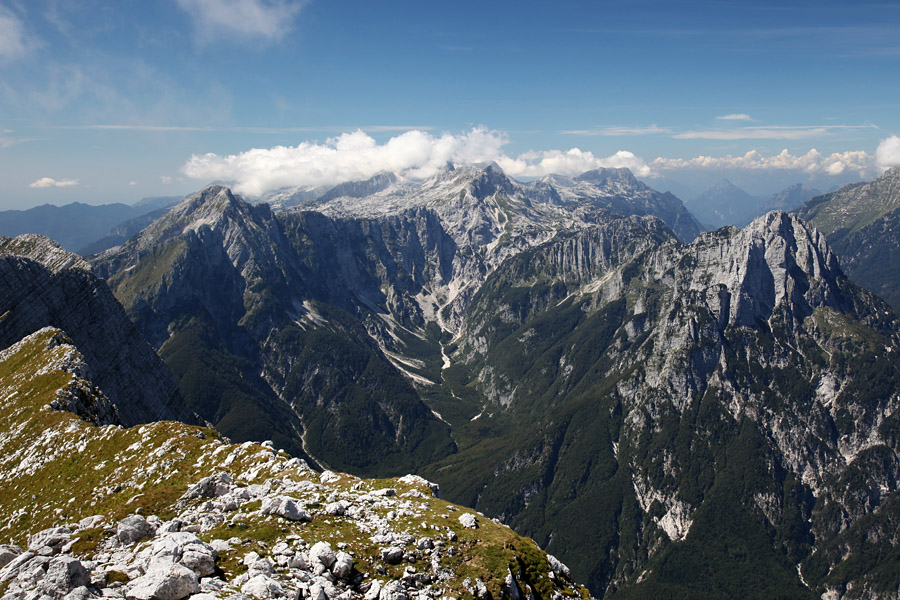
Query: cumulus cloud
{"points": [[570, 162], [49, 182], [13, 41], [811, 162], [735, 117], [888, 153], [416, 154], [267, 19]]}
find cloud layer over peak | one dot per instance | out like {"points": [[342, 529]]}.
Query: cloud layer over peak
{"points": [[417, 154], [811, 162]]}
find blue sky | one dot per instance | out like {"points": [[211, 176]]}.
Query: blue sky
{"points": [[117, 100]]}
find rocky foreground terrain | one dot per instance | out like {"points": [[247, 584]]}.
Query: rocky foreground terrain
{"points": [[167, 511]]}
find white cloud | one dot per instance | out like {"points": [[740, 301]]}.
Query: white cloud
{"points": [[888, 153], [49, 182], [13, 41], [269, 19], [417, 154], [570, 162], [735, 117], [811, 162], [132, 182]]}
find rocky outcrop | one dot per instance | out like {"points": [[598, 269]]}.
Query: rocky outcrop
{"points": [[167, 560], [42, 285]]}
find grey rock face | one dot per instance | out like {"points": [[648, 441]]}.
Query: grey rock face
{"points": [[67, 296], [53, 538], [134, 528], [322, 554], [286, 507], [64, 574], [213, 486], [468, 521], [8, 553], [164, 582]]}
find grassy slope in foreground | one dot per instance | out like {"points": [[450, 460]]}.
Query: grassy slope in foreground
{"points": [[57, 469]]}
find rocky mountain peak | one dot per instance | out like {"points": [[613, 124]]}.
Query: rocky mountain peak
{"points": [[776, 261], [208, 205], [43, 250], [359, 189], [481, 181], [609, 176]]}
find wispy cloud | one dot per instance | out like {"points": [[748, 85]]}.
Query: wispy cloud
{"points": [[811, 162], [273, 130], [7, 142], [888, 153], [613, 131], [49, 182], [133, 127], [774, 132], [264, 19], [416, 154], [14, 43], [735, 117]]}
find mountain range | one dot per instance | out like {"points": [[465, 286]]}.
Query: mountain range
{"points": [[672, 413], [85, 228]]}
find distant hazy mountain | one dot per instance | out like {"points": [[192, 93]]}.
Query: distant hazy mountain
{"points": [[77, 224], [862, 223], [123, 232], [790, 198], [727, 204], [724, 204]]}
